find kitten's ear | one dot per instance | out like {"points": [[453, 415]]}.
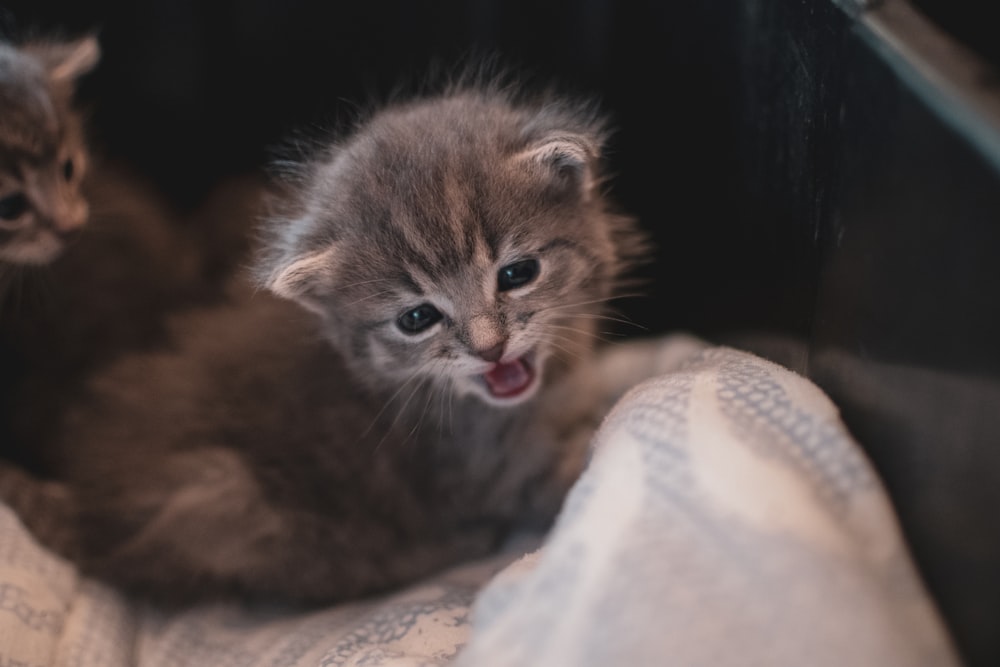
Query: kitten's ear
{"points": [[303, 278], [65, 62], [570, 159]]}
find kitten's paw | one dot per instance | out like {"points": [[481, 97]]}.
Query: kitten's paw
{"points": [[43, 507], [621, 367], [671, 351]]}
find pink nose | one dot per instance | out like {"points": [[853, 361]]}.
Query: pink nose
{"points": [[492, 353]]}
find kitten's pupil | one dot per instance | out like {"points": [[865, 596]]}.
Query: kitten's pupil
{"points": [[418, 319], [13, 206], [68, 169], [517, 274]]}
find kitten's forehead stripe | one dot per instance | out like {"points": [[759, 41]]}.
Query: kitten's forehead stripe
{"points": [[561, 242], [30, 124], [409, 283], [486, 227], [359, 343], [572, 246], [371, 325]]}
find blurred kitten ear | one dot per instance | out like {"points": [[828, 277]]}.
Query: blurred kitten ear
{"points": [[569, 158], [303, 278], [67, 61]]}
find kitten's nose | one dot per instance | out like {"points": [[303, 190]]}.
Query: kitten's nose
{"points": [[492, 353]]}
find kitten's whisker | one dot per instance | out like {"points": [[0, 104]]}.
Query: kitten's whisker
{"points": [[22, 283], [453, 390], [423, 413], [560, 348], [370, 296], [585, 303], [598, 316], [8, 278], [431, 370], [548, 341], [399, 414], [444, 388], [589, 334], [583, 347], [365, 282], [402, 386]]}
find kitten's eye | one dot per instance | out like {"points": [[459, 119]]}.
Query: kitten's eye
{"points": [[418, 319], [13, 206], [517, 274], [68, 169]]}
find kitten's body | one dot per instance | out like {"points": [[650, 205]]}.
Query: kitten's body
{"points": [[257, 463], [457, 252]]}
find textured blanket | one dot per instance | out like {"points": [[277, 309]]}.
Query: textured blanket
{"points": [[726, 517]]}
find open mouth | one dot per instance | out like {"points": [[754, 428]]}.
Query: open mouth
{"points": [[511, 379]]}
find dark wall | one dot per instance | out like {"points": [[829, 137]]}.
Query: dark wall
{"points": [[191, 91], [907, 331], [970, 21], [892, 190]]}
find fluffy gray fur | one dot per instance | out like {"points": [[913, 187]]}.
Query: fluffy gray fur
{"points": [[322, 455]]}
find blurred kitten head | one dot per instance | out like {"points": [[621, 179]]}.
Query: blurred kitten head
{"points": [[463, 240], [42, 152]]}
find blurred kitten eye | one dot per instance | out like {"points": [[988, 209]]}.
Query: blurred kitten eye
{"points": [[68, 169], [419, 319], [517, 274], [13, 206]]}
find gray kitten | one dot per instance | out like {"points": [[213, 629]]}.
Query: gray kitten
{"points": [[42, 152], [455, 254]]}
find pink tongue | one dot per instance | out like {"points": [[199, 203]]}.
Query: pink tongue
{"points": [[509, 379]]}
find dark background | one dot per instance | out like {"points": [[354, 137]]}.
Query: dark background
{"points": [[192, 91], [804, 199]]}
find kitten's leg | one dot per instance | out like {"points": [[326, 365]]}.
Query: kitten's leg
{"points": [[619, 368], [215, 532], [44, 507], [572, 410]]}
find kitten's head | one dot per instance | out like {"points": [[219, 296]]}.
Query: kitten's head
{"points": [[42, 153], [463, 240]]}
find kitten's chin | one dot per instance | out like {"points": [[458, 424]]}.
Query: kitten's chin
{"points": [[37, 253], [510, 382]]}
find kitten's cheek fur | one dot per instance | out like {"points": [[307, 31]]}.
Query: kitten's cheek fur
{"points": [[44, 248]]}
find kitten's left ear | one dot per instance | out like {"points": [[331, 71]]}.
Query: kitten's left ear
{"points": [[65, 62], [570, 159]]}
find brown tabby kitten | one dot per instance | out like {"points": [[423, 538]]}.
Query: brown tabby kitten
{"points": [[455, 253], [42, 154], [67, 309]]}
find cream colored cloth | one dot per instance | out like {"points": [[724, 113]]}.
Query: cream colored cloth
{"points": [[50, 616], [726, 518]]}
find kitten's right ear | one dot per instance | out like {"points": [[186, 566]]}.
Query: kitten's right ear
{"points": [[303, 278], [65, 62]]}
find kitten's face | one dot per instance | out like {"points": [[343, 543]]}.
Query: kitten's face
{"points": [[42, 155], [459, 242]]}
